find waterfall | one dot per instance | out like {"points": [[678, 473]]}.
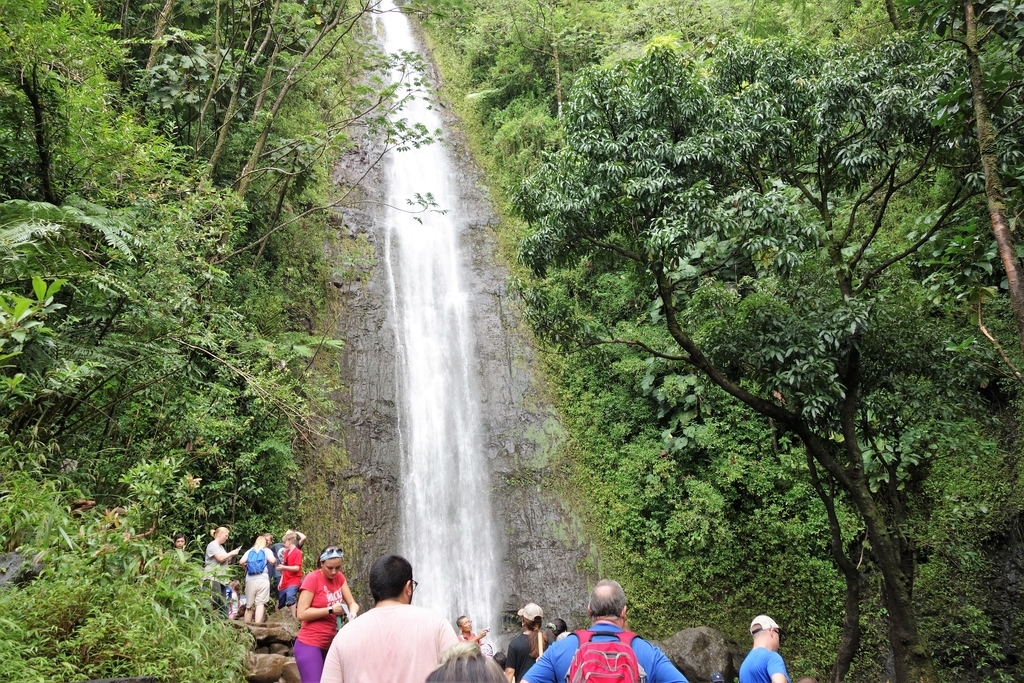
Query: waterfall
{"points": [[447, 527]]}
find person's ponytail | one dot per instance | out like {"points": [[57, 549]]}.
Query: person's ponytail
{"points": [[535, 637]]}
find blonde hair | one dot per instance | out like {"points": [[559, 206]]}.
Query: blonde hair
{"points": [[465, 662], [290, 536], [261, 543], [213, 534]]}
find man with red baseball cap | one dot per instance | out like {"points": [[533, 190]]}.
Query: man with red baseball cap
{"points": [[764, 664]]}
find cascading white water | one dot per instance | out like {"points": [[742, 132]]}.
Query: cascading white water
{"points": [[447, 526]]}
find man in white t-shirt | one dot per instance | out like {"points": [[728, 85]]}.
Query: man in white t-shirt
{"points": [[396, 641]]}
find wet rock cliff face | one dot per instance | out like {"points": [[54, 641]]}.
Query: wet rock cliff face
{"points": [[541, 542]]}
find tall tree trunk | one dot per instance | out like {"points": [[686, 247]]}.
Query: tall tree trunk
{"points": [[221, 53], [849, 643], [558, 76], [990, 165], [265, 85], [246, 176], [913, 661], [30, 87], [158, 32], [225, 127], [894, 17]]}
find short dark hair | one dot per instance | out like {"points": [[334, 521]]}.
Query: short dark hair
{"points": [[388, 577], [607, 599], [560, 626], [181, 536]]}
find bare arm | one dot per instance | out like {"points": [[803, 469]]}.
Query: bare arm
{"points": [[511, 673], [304, 611], [224, 557], [302, 537], [779, 678], [353, 606]]}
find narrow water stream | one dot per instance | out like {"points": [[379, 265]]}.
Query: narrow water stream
{"points": [[447, 528]]}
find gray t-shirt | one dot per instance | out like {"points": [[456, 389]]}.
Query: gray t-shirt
{"points": [[215, 570]]}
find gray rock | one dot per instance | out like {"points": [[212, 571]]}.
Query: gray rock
{"points": [[264, 668], [699, 652], [15, 571], [275, 632]]}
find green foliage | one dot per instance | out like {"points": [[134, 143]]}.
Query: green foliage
{"points": [[165, 187], [701, 510], [108, 602]]}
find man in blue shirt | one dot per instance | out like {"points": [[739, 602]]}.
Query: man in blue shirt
{"points": [[764, 664], [607, 609]]}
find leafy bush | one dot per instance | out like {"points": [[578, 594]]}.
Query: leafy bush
{"points": [[110, 601]]}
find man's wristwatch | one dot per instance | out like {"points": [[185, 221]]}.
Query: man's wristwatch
{"points": [[330, 610]]}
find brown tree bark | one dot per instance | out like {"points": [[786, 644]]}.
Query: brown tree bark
{"points": [[994, 196], [849, 643], [248, 172], [158, 32]]}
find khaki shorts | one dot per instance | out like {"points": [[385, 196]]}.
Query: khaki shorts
{"points": [[257, 590]]}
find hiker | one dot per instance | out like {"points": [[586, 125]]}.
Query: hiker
{"points": [[764, 663], [559, 628], [323, 597], [590, 650], [257, 561], [273, 573], [466, 634], [180, 541], [465, 663], [289, 564], [528, 646], [396, 641], [465, 627], [236, 602], [216, 566]]}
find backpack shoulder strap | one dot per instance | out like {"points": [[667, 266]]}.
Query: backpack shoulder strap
{"points": [[625, 637]]}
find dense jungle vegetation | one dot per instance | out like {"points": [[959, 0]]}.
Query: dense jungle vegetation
{"points": [[771, 248], [770, 245], [165, 201]]}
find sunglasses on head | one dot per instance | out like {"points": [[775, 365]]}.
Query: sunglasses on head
{"points": [[331, 553]]}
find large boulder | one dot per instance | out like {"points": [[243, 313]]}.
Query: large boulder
{"points": [[264, 668], [275, 630], [290, 673], [700, 652]]}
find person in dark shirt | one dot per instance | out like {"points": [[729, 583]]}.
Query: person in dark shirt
{"points": [[528, 646]]}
